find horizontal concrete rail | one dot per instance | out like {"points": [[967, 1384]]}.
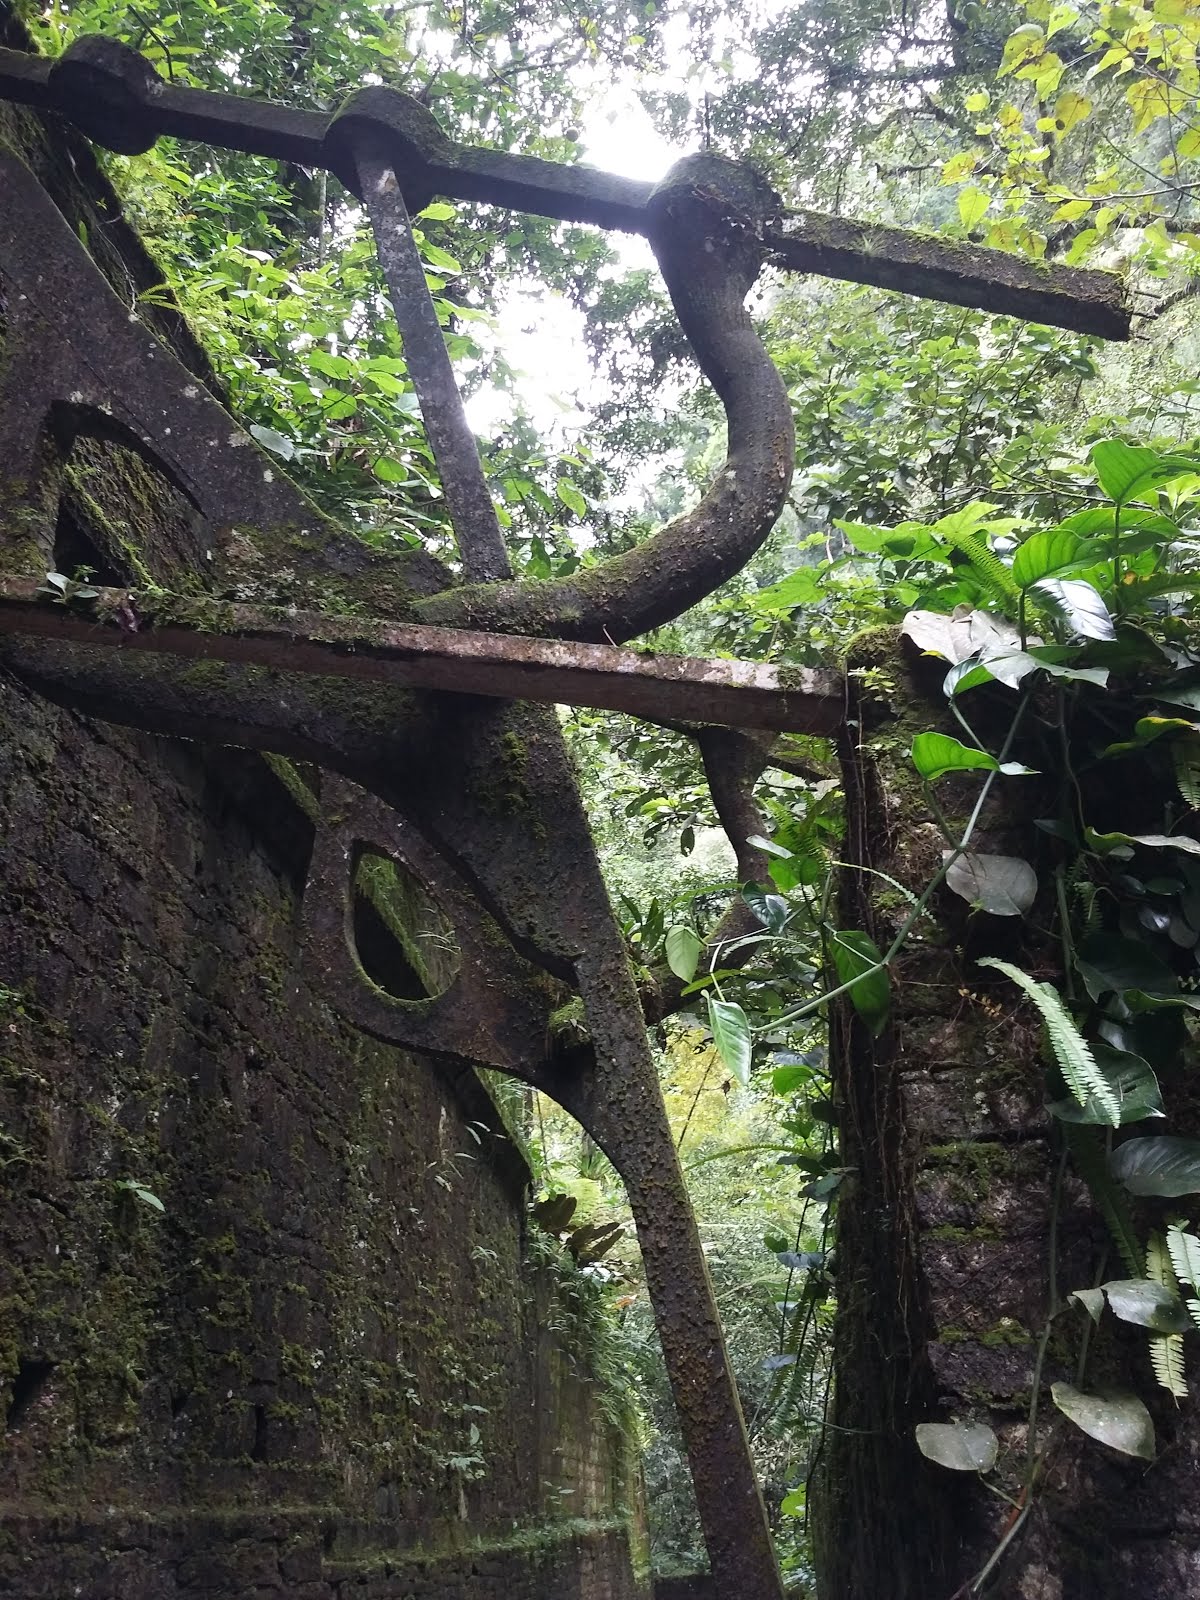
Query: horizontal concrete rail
{"points": [[739, 694]]}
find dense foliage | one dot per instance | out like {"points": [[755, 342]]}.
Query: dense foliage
{"points": [[971, 473]]}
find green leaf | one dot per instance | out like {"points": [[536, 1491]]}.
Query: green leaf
{"points": [[1185, 758], [1071, 1051], [1167, 1358], [1127, 471], [973, 206], [273, 441], [1120, 1421], [1132, 1082], [140, 1192], [961, 1446], [1154, 841], [683, 951], [1045, 552], [1149, 1305], [571, 497], [1184, 1250], [437, 257], [855, 955], [1092, 1301], [1151, 528], [1004, 886], [731, 1036], [786, 1080], [772, 910], [1158, 1166], [935, 754]]}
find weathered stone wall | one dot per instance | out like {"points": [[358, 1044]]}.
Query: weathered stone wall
{"points": [[328, 1343], [268, 1324]]}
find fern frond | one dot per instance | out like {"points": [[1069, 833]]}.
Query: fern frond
{"points": [[1158, 1262], [1166, 1357], [987, 564], [1075, 1060], [1185, 757], [1184, 1250], [1087, 1152]]}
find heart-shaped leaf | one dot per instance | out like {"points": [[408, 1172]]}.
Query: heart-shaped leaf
{"points": [[935, 754], [683, 951], [1129, 471], [961, 1446], [1005, 886], [1045, 552], [1131, 1084], [1120, 1421], [855, 957]]}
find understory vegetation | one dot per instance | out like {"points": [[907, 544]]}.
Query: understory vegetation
{"points": [[1022, 503]]}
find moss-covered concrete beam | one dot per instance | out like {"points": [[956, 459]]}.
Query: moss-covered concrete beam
{"points": [[936, 268], [118, 99], [504, 666]]}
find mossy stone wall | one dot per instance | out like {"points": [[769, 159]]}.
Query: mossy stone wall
{"points": [[267, 1321]]}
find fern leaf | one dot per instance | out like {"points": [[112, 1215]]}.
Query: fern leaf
{"points": [[988, 566], [1158, 1262], [1185, 757], [1075, 1059], [1166, 1357], [1087, 1152], [1184, 1250]]}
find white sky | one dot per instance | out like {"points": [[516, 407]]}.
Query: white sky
{"points": [[541, 332]]}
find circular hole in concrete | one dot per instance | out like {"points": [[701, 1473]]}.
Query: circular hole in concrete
{"points": [[405, 944]]}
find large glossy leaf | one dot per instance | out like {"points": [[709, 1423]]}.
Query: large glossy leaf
{"points": [[962, 1446], [1149, 1305], [855, 955], [1131, 1082], [1153, 841], [1139, 527], [731, 1035], [1129, 472], [1005, 886], [1012, 667], [1110, 964], [1120, 1421], [1046, 552], [683, 951], [772, 910], [1080, 606], [954, 638], [1157, 1166], [935, 754]]}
